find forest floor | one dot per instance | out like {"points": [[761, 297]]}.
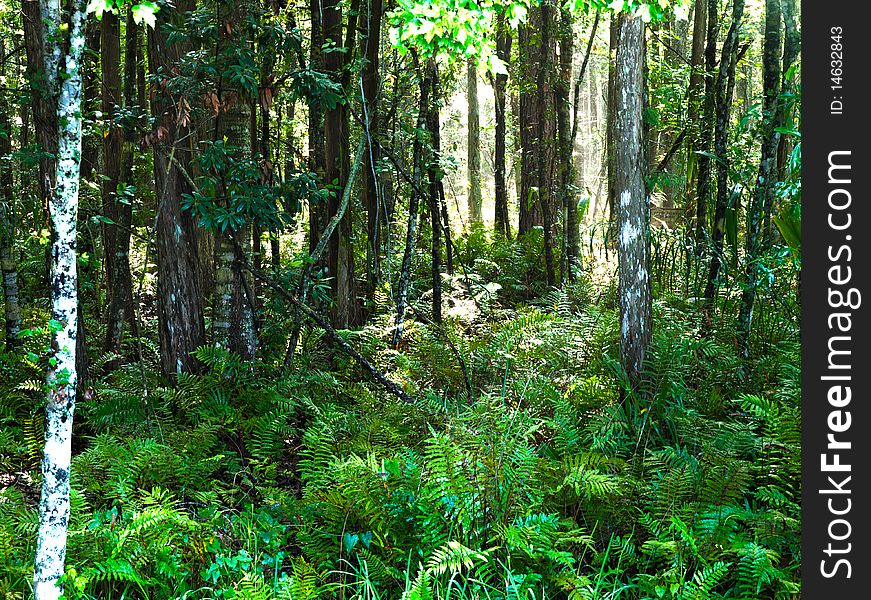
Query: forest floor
{"points": [[549, 480]]}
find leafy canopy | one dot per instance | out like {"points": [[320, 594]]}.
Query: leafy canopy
{"points": [[460, 29]]}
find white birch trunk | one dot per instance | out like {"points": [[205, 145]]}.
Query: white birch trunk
{"points": [[54, 503]]}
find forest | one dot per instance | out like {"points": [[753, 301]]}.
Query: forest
{"points": [[400, 299]]}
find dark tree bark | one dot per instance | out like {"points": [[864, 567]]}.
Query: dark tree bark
{"points": [[8, 263], [695, 98], [785, 117], [181, 328], [371, 191], [723, 96], [426, 79], [340, 252], [316, 152], [528, 59], [610, 137], [121, 292], [763, 195], [110, 66], [571, 247], [633, 203], [503, 52], [433, 199], [709, 108], [544, 141]]}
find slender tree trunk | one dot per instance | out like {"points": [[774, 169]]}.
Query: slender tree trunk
{"points": [[372, 197], [433, 200], [503, 51], [316, 152], [528, 59], [8, 264], [543, 143], [633, 203], [414, 204], [233, 325], [66, 91], [474, 143], [709, 108], [110, 67], [764, 192], [340, 254], [791, 49], [181, 327], [571, 247], [611, 142], [121, 291], [723, 95], [694, 95]]}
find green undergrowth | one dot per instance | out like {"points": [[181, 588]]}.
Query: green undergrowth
{"points": [[548, 481]]}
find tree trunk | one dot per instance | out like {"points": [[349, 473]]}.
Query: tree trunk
{"points": [[791, 49], [543, 143], [371, 191], [340, 252], [110, 67], [433, 198], [66, 91], [503, 51], [764, 192], [316, 152], [414, 204], [8, 264], [709, 108], [474, 143], [610, 135], [121, 291], [634, 205], [694, 96], [571, 247], [723, 96], [528, 59], [181, 327]]}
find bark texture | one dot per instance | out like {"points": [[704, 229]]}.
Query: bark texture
{"points": [[763, 195], [633, 203], [54, 502], [181, 327]]}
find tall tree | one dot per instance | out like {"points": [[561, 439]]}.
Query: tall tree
{"points": [[316, 152], [426, 77], [610, 126], [340, 252], [110, 67], [61, 38], [723, 100], [763, 195], [633, 210], [706, 127], [503, 52], [433, 197], [474, 142], [371, 193], [121, 290], [694, 93], [544, 103], [181, 327], [8, 262], [233, 305], [571, 247]]}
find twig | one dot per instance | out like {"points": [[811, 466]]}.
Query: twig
{"points": [[390, 385]]}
